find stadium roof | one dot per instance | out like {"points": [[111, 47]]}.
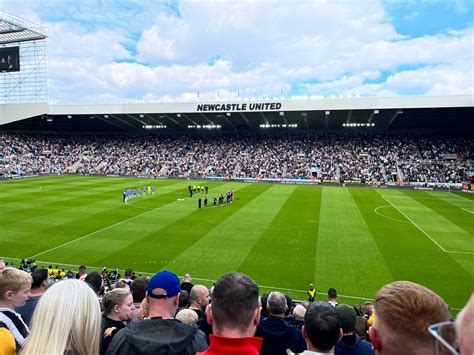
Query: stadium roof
{"points": [[394, 113], [14, 29]]}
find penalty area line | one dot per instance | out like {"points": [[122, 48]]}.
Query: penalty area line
{"points": [[416, 225]]}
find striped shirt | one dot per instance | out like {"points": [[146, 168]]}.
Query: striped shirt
{"points": [[15, 324]]}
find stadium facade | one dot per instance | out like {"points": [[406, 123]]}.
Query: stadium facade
{"points": [[432, 113]]}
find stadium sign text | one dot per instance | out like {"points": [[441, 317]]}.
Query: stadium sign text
{"points": [[252, 106]]}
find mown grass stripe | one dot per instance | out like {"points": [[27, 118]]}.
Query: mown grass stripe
{"points": [[111, 231], [226, 246], [444, 233], [408, 253], [346, 251], [292, 236]]}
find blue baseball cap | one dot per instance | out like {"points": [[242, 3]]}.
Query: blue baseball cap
{"points": [[167, 281]]}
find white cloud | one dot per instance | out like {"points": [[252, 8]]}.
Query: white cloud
{"points": [[228, 49]]}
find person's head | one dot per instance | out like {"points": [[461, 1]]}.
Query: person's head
{"points": [[369, 307], [184, 299], [311, 286], [298, 312], [15, 287], [263, 302], [82, 270], [347, 316], [199, 297], [144, 310], [94, 280], [66, 319], [187, 278], [289, 305], [322, 327], [40, 279], [465, 327], [187, 316], [163, 294], [138, 289], [128, 273], [404, 310], [332, 294], [118, 304], [276, 304], [235, 307]]}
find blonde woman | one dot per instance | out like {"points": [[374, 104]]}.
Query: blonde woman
{"points": [[66, 321], [118, 308]]}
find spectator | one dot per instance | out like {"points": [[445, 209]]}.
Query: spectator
{"points": [[199, 299], [332, 297], [162, 332], [144, 311], [465, 328], [118, 308], [183, 300], [188, 316], [350, 343], [65, 321], [263, 300], [186, 285], [138, 289], [82, 271], [14, 291], [234, 314], [94, 280], [39, 285], [298, 313], [321, 329], [278, 334], [404, 311]]}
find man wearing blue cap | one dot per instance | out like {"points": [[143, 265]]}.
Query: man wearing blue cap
{"points": [[162, 333]]}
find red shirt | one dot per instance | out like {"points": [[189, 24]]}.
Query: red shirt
{"points": [[229, 346]]}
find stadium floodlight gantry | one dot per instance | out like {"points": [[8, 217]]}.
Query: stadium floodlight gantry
{"points": [[23, 61]]}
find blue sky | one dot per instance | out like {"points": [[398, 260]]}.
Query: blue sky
{"points": [[103, 51]]}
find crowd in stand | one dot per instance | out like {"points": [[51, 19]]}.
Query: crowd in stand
{"points": [[44, 312], [355, 157]]}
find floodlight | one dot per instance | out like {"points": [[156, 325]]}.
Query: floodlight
{"points": [[327, 113], [376, 112]]}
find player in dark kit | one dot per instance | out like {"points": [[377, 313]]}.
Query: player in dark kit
{"points": [[205, 202], [207, 189], [199, 202], [215, 201]]}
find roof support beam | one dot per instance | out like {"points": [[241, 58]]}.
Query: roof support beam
{"points": [[246, 120], [326, 119], [349, 116], [174, 121], [394, 117], [102, 118]]}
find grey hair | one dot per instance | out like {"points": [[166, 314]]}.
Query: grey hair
{"points": [[276, 303]]}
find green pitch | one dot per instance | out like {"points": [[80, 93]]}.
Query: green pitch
{"points": [[284, 236]]}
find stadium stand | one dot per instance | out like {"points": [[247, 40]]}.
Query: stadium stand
{"points": [[374, 158]]}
